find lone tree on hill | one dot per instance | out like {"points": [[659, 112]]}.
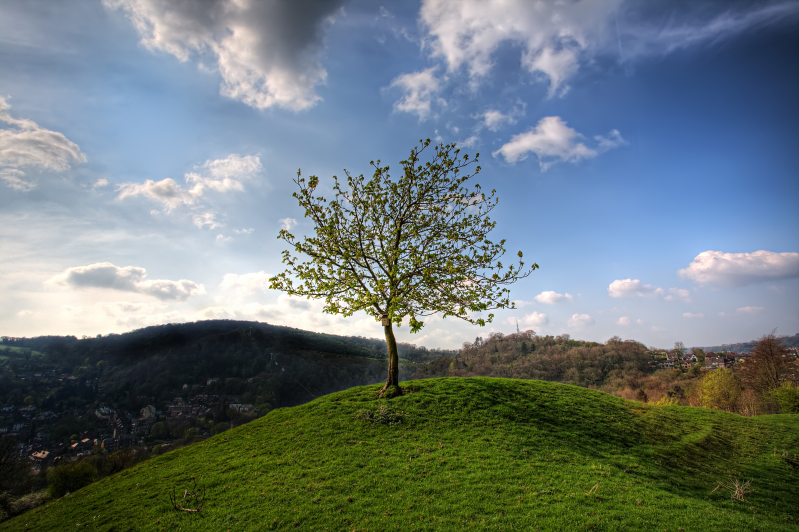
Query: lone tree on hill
{"points": [[405, 248]]}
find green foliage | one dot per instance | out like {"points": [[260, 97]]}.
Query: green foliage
{"points": [[404, 248], [559, 359], [385, 414], [787, 397], [220, 428], [159, 431], [472, 454], [720, 389], [70, 478]]}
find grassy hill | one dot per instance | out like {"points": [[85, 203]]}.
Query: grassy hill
{"points": [[468, 454]]}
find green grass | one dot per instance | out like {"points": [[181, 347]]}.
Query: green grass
{"points": [[16, 350], [470, 454]]}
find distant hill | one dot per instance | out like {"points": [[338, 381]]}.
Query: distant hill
{"points": [[459, 454], [260, 363], [745, 347]]}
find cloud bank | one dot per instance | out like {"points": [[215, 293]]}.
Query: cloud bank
{"points": [[267, 53], [740, 269], [557, 38], [126, 279]]}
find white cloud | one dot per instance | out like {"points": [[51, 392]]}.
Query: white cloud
{"points": [[206, 218], [287, 223], [739, 269], [691, 315], [556, 38], [552, 35], [624, 320], [552, 298], [702, 26], [246, 284], [126, 279], [748, 310], [421, 88], [552, 141], [26, 146], [220, 175], [580, 320], [678, 293], [102, 182], [267, 53], [536, 319], [493, 119], [632, 288]]}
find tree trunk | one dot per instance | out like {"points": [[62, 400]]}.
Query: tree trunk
{"points": [[392, 381]]}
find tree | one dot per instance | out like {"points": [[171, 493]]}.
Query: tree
{"points": [[720, 389], [769, 365], [402, 249], [70, 477], [699, 353], [679, 348], [14, 471]]}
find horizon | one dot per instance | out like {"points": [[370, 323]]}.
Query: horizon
{"points": [[644, 155], [377, 339]]}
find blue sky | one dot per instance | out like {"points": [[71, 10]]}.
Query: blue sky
{"points": [[644, 154]]}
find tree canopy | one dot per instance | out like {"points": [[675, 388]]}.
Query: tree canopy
{"points": [[402, 249]]}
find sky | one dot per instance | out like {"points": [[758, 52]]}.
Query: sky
{"points": [[645, 154]]}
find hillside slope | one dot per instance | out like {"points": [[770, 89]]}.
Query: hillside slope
{"points": [[469, 454]]}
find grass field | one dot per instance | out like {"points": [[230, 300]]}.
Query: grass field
{"points": [[469, 454], [15, 351]]}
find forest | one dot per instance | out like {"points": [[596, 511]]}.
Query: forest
{"points": [[766, 381], [266, 365]]}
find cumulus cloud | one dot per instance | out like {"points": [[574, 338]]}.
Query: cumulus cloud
{"points": [[632, 288], [556, 38], [536, 319], [552, 141], [267, 53], [678, 293], [421, 89], [748, 310], [220, 175], [580, 320], [551, 298], [739, 269], [691, 315], [126, 279], [246, 284], [624, 320], [27, 146], [552, 35]]}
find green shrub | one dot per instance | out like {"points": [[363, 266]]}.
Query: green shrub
{"points": [[70, 477], [787, 397], [385, 415], [219, 428]]}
